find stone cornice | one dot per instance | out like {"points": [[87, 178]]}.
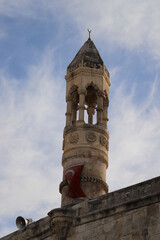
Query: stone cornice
{"points": [[108, 211], [88, 71], [83, 152]]}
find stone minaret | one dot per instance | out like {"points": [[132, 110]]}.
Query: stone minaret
{"points": [[86, 139]]}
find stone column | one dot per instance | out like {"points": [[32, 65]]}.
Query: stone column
{"points": [[90, 111], [74, 113], [81, 105], [105, 112], [69, 111], [100, 108]]}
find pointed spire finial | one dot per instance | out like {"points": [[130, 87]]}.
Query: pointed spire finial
{"points": [[89, 31]]}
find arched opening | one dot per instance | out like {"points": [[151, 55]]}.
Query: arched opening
{"points": [[74, 104], [85, 114], [91, 103]]}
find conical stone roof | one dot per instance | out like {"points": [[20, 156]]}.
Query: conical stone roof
{"points": [[88, 55]]}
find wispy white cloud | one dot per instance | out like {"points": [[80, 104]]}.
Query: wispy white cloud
{"points": [[31, 135], [11, 8], [28, 8], [31, 127], [134, 137], [131, 25], [32, 111], [2, 34]]}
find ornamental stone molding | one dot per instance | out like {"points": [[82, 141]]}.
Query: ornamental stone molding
{"points": [[94, 180], [103, 141], [86, 178], [74, 137], [90, 136], [62, 185]]}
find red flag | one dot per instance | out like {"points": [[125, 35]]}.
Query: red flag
{"points": [[73, 177]]}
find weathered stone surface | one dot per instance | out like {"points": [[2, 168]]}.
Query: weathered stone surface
{"points": [[117, 215]]}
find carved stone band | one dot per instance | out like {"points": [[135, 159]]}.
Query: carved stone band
{"points": [[62, 185], [95, 180], [90, 136], [74, 137], [103, 141], [84, 178]]}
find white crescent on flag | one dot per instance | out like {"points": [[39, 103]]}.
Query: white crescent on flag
{"points": [[70, 171]]}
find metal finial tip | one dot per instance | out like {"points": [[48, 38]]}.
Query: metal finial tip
{"points": [[89, 31]]}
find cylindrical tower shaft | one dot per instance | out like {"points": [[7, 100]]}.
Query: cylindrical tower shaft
{"points": [[85, 144]]}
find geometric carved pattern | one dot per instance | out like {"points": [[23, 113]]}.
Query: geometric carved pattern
{"points": [[103, 141], [74, 137], [90, 136]]}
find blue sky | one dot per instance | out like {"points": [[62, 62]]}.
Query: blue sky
{"points": [[38, 40]]}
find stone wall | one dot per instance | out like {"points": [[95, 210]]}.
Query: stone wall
{"points": [[132, 213]]}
